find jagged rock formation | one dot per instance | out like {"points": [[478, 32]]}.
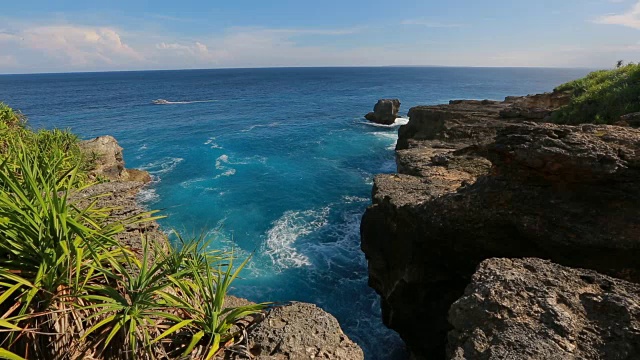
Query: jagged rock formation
{"points": [[108, 162], [535, 107], [301, 331], [384, 112], [474, 186], [533, 309]]}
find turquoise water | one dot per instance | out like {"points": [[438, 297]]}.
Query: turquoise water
{"points": [[279, 161]]}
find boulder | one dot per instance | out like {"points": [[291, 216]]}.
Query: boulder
{"points": [[461, 123], [632, 119], [551, 101], [473, 186], [301, 331], [108, 163], [534, 107], [533, 309], [384, 112]]}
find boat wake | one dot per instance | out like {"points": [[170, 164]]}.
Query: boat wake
{"points": [[167, 102]]}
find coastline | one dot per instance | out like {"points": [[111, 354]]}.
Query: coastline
{"points": [[478, 181]]}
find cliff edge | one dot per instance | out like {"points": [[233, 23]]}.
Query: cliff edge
{"points": [[479, 180]]}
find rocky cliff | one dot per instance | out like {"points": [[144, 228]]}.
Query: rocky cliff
{"points": [[475, 184], [535, 309]]}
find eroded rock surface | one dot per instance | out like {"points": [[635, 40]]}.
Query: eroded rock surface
{"points": [[533, 309], [106, 154], [384, 112], [474, 186], [301, 331], [120, 197]]}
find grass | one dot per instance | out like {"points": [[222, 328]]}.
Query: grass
{"points": [[69, 290], [602, 96]]}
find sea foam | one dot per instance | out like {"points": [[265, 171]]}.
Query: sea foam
{"points": [[162, 166], [285, 231], [399, 122], [147, 196]]}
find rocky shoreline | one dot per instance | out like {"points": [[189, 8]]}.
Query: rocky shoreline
{"points": [[288, 331], [482, 182]]}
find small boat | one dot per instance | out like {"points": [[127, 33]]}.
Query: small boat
{"points": [[160, 102]]}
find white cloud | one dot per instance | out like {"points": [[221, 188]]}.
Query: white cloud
{"points": [[77, 46], [631, 18], [54, 48]]}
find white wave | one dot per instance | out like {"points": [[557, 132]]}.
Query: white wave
{"points": [[143, 147], [188, 183], [287, 230], [399, 122], [387, 135], [273, 124], [222, 164], [221, 160], [343, 251], [229, 172], [162, 166], [212, 143], [353, 199], [147, 196]]}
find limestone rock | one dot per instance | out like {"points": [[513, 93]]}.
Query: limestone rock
{"points": [[106, 154], [384, 112], [570, 194], [463, 122], [301, 331], [120, 197], [532, 309]]}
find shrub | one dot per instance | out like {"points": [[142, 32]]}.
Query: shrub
{"points": [[602, 96], [69, 290]]}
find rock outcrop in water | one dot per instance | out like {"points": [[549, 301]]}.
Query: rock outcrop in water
{"points": [[384, 112], [534, 309], [473, 185]]}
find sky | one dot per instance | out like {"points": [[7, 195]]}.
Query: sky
{"points": [[68, 36]]}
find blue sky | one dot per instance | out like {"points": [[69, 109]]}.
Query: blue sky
{"points": [[55, 36]]}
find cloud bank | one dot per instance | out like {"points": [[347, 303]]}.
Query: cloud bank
{"points": [[630, 18]]}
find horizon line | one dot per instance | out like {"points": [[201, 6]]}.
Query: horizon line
{"points": [[302, 67]]}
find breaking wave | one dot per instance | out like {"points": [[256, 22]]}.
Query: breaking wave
{"points": [[273, 124], [284, 233], [212, 143], [162, 166], [147, 196], [399, 122]]}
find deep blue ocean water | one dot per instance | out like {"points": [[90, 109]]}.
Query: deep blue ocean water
{"points": [[281, 161]]}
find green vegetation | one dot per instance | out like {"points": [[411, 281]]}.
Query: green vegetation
{"points": [[62, 144], [602, 96], [69, 290]]}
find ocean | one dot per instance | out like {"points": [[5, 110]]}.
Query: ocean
{"points": [[277, 163]]}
